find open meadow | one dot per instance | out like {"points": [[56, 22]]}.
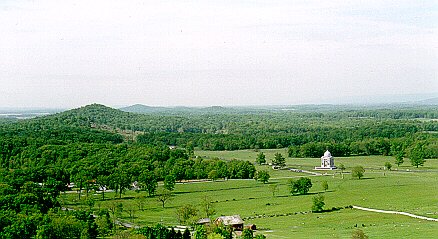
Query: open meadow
{"points": [[278, 214]]}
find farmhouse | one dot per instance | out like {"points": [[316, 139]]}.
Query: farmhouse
{"points": [[233, 221], [204, 221]]}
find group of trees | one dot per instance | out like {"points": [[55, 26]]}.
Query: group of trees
{"points": [[347, 131], [34, 173], [398, 147], [160, 231]]}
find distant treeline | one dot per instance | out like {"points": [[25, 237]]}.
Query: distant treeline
{"points": [[350, 130]]}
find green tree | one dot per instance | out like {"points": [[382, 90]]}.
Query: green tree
{"points": [[187, 214], [325, 185], [169, 182], [262, 176], [417, 155], [357, 172], [318, 203], [260, 236], [164, 196], [300, 186], [200, 232], [225, 232], [399, 158], [247, 234], [115, 209], [190, 148], [120, 180], [102, 182], [279, 160], [103, 223], [90, 203], [213, 175], [61, 226], [80, 177], [149, 180], [261, 158]]}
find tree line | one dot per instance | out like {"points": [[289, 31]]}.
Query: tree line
{"points": [[32, 177]]}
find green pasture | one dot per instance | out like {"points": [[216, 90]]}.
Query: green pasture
{"points": [[285, 216]]}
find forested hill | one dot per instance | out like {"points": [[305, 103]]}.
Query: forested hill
{"points": [[341, 128], [66, 127]]}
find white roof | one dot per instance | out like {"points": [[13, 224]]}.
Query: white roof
{"points": [[230, 220], [327, 154]]}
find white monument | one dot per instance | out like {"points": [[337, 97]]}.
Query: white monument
{"points": [[327, 162]]}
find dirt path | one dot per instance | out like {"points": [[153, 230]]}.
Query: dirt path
{"points": [[395, 212]]}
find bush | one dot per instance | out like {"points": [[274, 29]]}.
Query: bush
{"points": [[300, 186], [318, 203], [357, 172]]}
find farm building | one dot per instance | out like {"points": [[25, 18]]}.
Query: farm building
{"points": [[233, 221], [204, 221]]}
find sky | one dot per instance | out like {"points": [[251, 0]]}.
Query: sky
{"points": [[226, 52]]}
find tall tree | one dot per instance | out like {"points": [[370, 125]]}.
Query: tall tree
{"points": [[169, 182], [399, 158], [262, 176], [102, 182], [417, 155], [149, 180], [120, 180], [186, 214], [164, 196], [261, 158], [279, 160]]}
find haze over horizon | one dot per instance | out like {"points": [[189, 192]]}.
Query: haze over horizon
{"points": [[66, 54]]}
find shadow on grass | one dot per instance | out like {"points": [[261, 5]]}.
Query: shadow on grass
{"points": [[222, 189], [365, 178]]}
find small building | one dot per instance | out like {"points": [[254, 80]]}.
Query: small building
{"points": [[204, 221], [327, 162], [233, 221]]}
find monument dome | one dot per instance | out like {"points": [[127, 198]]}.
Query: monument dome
{"points": [[327, 162]]}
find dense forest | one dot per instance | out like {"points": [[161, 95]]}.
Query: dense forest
{"points": [[99, 147]]}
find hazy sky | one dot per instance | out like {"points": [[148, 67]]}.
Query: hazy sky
{"points": [[226, 52]]}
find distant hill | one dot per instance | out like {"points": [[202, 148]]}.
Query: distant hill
{"points": [[139, 108], [86, 124], [385, 99], [144, 109], [430, 101]]}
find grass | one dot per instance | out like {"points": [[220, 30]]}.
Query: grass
{"points": [[414, 191]]}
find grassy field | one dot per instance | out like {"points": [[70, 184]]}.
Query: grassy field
{"points": [[403, 189]]}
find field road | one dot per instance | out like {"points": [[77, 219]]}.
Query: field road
{"points": [[395, 212]]}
